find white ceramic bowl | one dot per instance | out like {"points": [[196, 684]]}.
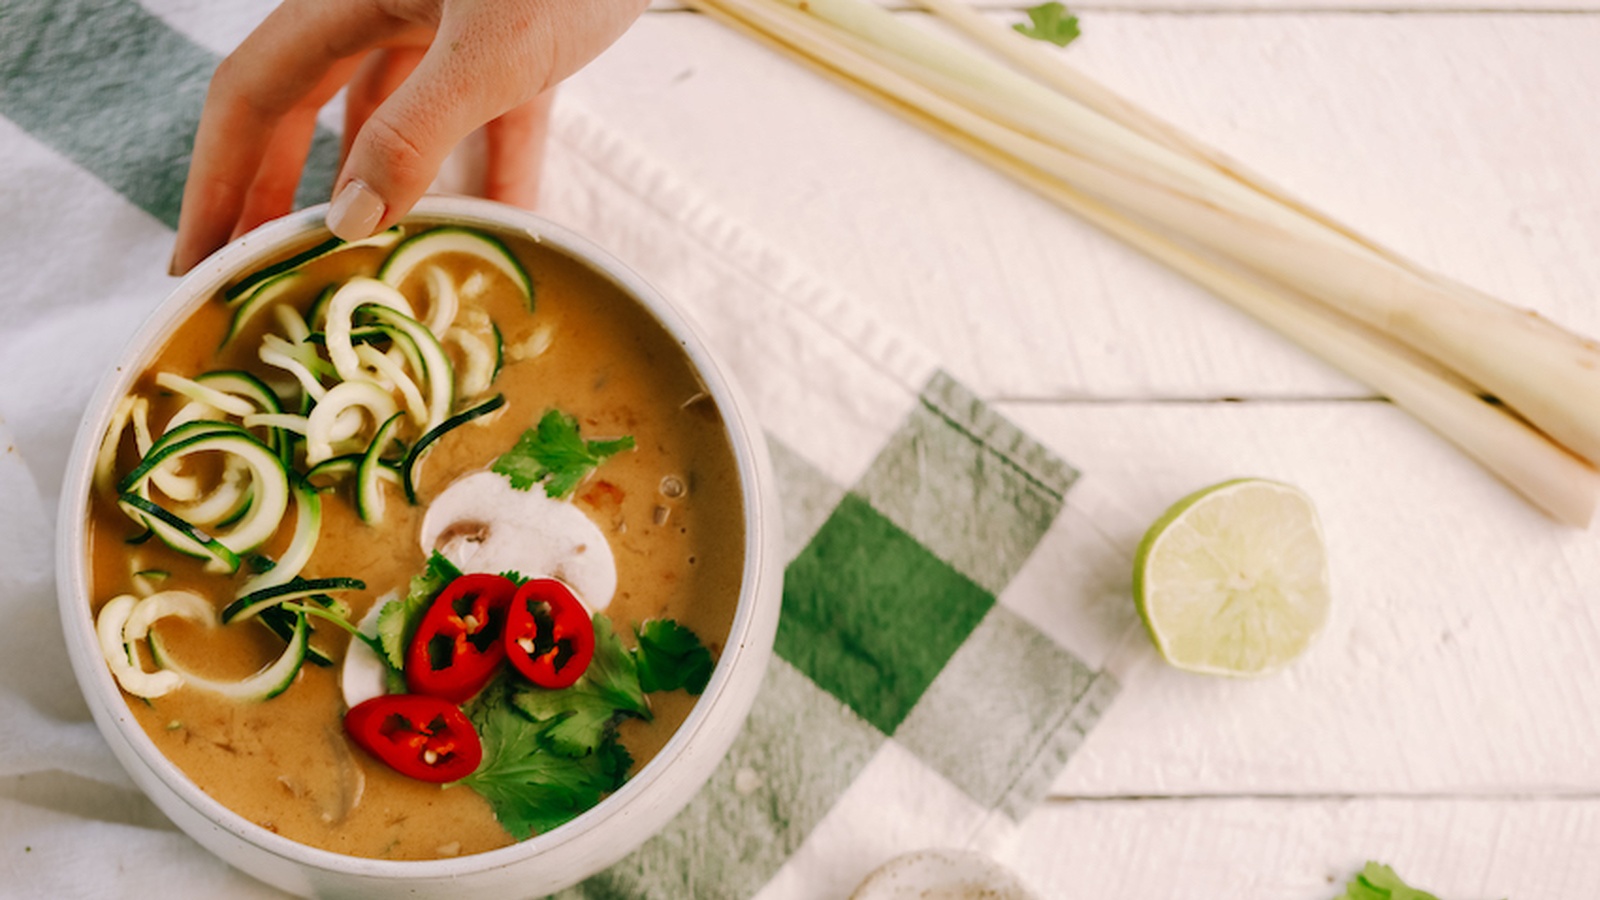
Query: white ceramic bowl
{"points": [[546, 862]]}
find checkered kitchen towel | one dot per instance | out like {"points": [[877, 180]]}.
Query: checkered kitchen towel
{"points": [[945, 639]]}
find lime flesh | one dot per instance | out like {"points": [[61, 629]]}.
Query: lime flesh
{"points": [[1233, 579]]}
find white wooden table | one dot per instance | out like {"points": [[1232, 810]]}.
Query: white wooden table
{"points": [[1447, 721]]}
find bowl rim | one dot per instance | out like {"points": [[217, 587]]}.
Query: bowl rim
{"points": [[748, 633]]}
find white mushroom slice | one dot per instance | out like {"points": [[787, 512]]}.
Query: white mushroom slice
{"points": [[364, 675], [482, 524]]}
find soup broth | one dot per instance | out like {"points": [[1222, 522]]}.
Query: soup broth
{"points": [[669, 509]]}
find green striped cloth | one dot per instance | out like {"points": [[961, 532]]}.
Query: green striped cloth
{"points": [[948, 623]]}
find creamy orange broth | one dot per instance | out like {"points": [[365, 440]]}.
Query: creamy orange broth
{"points": [[286, 763]]}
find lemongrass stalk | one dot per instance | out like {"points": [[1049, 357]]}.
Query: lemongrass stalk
{"points": [[1550, 377], [1547, 475], [859, 59], [1101, 130], [1564, 486], [1078, 116], [1032, 58], [997, 91]]}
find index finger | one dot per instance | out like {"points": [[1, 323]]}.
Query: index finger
{"points": [[299, 56]]}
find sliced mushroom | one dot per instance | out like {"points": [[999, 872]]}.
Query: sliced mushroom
{"points": [[482, 524]]}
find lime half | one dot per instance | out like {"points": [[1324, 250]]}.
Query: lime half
{"points": [[1233, 579]]}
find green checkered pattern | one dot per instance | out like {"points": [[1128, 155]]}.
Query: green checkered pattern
{"points": [[905, 688], [891, 633]]}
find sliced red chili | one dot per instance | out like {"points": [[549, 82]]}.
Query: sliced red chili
{"points": [[549, 635], [457, 645], [426, 738]]}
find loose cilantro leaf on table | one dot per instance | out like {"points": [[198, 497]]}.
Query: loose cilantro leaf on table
{"points": [[670, 657], [1379, 882], [554, 452], [1050, 22]]}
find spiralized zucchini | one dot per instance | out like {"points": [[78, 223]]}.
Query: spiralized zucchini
{"points": [[358, 386]]}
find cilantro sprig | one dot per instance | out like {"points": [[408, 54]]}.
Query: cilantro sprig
{"points": [[1379, 882], [555, 453], [397, 620], [1050, 22], [670, 657], [532, 787], [551, 754], [580, 717]]}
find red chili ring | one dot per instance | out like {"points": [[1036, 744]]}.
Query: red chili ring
{"points": [[549, 636], [426, 738], [458, 646]]}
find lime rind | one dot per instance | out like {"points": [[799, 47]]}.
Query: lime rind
{"points": [[1233, 579]]}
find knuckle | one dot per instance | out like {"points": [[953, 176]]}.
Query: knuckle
{"points": [[392, 150]]}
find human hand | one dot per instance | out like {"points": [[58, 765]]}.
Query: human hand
{"points": [[422, 75]]}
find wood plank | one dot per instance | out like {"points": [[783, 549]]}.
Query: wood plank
{"points": [[1463, 141], [1461, 653], [1245, 849]]}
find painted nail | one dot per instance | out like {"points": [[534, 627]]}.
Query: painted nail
{"points": [[355, 212]]}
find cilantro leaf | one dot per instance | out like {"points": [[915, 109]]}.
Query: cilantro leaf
{"points": [[397, 621], [532, 789], [554, 452], [669, 657], [548, 755], [579, 719], [1379, 882], [1050, 22], [576, 720], [613, 673], [613, 761]]}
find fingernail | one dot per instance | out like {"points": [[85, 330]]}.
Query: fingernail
{"points": [[172, 267], [355, 212]]}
